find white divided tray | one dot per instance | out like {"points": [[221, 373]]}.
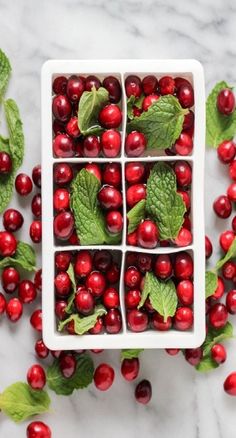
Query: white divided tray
{"points": [[191, 70]]}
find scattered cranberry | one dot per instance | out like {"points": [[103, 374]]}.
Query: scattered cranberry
{"points": [[10, 279], [193, 355], [219, 292], [185, 292], [96, 283], [183, 173], [36, 377], [67, 365], [226, 239], [5, 163], [147, 234], [94, 169], [62, 284], [36, 206], [218, 315], [111, 143], [111, 298], [114, 221], [208, 247], [143, 392], [59, 85], [8, 244], [27, 292], [63, 225], [112, 174], [110, 116], [36, 175], [12, 220], [38, 429], [63, 146], [103, 377], [230, 384], [130, 369], [61, 199], [183, 319], [3, 303], [226, 101], [40, 349], [226, 151], [36, 320], [61, 108], [149, 84], [91, 146], [112, 321], [133, 86], [135, 144], [218, 353], [23, 184], [63, 174], [229, 270], [222, 207], [60, 309], [134, 172], [231, 301], [14, 309], [36, 231], [137, 320], [113, 87]]}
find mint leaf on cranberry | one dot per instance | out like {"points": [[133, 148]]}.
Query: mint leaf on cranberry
{"points": [[210, 283], [71, 273], [90, 105], [231, 253], [5, 71], [131, 102], [161, 124], [131, 354], [16, 136], [20, 402], [24, 257], [136, 215], [83, 324], [163, 202], [82, 377], [162, 295], [218, 126]]}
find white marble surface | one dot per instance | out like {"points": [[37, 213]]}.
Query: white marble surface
{"points": [[184, 404]]}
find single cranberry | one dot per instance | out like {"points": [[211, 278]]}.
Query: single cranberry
{"points": [[112, 174], [218, 315], [62, 260], [96, 283], [188, 121], [167, 85], [92, 81], [143, 392], [110, 116], [112, 321], [60, 309], [61, 108], [83, 263], [111, 143], [59, 85], [229, 270], [63, 174], [38, 429], [135, 144], [98, 327], [132, 298], [149, 100], [111, 298], [27, 292], [184, 237], [137, 320], [75, 88], [103, 377], [193, 355], [5, 163], [184, 144], [72, 128], [114, 221], [132, 239], [231, 192], [113, 87], [149, 84], [35, 231], [84, 302], [62, 284], [185, 95], [179, 81], [61, 199], [63, 225], [159, 323], [232, 170], [226, 101], [12, 220], [218, 353], [130, 368], [183, 173], [222, 207], [183, 319], [172, 351], [3, 303], [226, 151], [185, 292], [147, 234], [23, 184], [134, 172], [109, 197], [36, 205], [186, 198], [231, 301], [10, 279], [226, 240], [36, 320], [8, 244], [36, 175], [113, 274], [36, 377], [63, 146], [144, 262], [163, 266], [95, 170], [132, 277], [91, 146], [135, 193], [14, 309], [230, 384], [133, 86], [102, 260], [208, 247], [183, 266], [67, 365], [40, 349]]}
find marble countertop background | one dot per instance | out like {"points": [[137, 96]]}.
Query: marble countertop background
{"points": [[184, 403]]}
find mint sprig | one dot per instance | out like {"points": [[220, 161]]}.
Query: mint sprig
{"points": [[5, 71], [83, 324], [131, 354], [136, 215], [24, 257], [90, 105]]}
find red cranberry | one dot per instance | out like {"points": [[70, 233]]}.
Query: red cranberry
{"points": [[59, 85], [163, 266], [83, 263], [183, 319], [208, 247], [188, 120], [63, 225], [143, 392], [61, 108], [226, 151], [144, 262], [111, 143], [226, 101], [72, 128], [103, 377], [27, 292], [135, 144], [111, 298], [185, 292], [183, 173], [184, 237], [222, 207], [62, 260], [58, 127], [91, 146], [159, 323], [5, 163], [232, 170], [102, 260], [63, 146], [114, 221], [36, 206], [130, 368], [172, 351], [186, 198], [14, 309], [94, 169], [135, 193], [149, 84], [113, 274], [226, 239], [12, 220], [167, 85], [60, 309], [75, 88], [230, 384], [186, 224], [67, 365], [148, 101], [134, 172], [113, 87], [181, 81], [137, 320], [133, 86], [61, 199], [136, 111], [38, 429], [193, 356], [132, 277], [98, 328], [183, 266], [132, 298], [231, 192], [62, 284], [96, 283], [218, 315], [231, 301], [218, 353], [185, 95], [92, 81], [10, 279], [56, 353], [3, 303], [84, 302], [147, 234], [8, 244], [38, 280], [36, 231], [23, 184], [184, 144], [63, 174], [110, 116], [40, 349], [109, 197], [36, 377], [112, 174], [132, 239], [229, 270], [36, 320], [112, 321]]}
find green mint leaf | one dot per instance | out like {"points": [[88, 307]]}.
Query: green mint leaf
{"points": [[20, 402], [161, 124], [94, 130], [163, 202], [6, 181], [82, 377], [71, 273], [136, 215], [162, 295], [5, 71], [16, 136], [231, 254], [90, 104], [134, 101], [131, 354], [218, 126], [84, 324], [216, 336], [210, 283], [24, 257], [206, 364]]}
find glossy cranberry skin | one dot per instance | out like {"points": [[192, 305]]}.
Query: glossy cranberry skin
{"points": [[8, 244], [59, 85], [36, 231], [72, 128], [158, 322], [114, 222], [27, 292], [94, 169], [40, 349], [231, 192], [3, 304], [62, 284], [193, 356], [10, 279], [36, 175], [147, 234], [231, 301], [63, 146], [185, 95], [149, 84], [188, 120], [67, 365], [226, 151], [14, 309], [183, 319], [208, 247], [229, 270], [218, 353], [61, 108], [183, 266], [63, 225], [148, 101], [92, 81], [83, 263], [110, 116], [230, 384], [38, 280], [84, 302], [132, 298], [36, 205], [133, 86], [23, 184], [137, 320], [91, 146], [63, 174], [183, 173], [113, 274], [132, 277], [186, 198], [36, 320], [167, 85], [62, 260], [172, 351], [102, 260], [222, 207], [113, 87], [184, 237], [132, 239], [75, 88], [185, 292], [184, 144], [144, 262], [5, 163], [135, 193], [232, 170], [111, 143], [60, 309], [143, 392], [36, 377], [112, 174], [98, 328], [226, 101], [112, 321], [163, 266], [109, 197], [130, 369], [38, 429], [111, 298], [218, 315], [135, 144], [96, 283], [61, 199], [134, 172], [226, 239], [103, 377]]}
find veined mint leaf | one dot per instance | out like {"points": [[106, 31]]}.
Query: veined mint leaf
{"points": [[162, 295], [218, 126], [83, 325], [131, 354], [24, 257], [163, 202], [162, 123], [231, 253], [6, 181], [136, 215], [20, 402], [16, 136], [82, 377], [90, 104], [71, 273], [134, 101], [210, 283], [5, 71]]}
